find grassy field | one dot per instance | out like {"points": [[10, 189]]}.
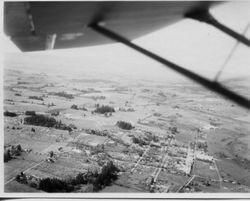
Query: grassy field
{"points": [[16, 187], [205, 169], [155, 109]]}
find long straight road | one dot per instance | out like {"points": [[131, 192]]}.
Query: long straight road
{"points": [[139, 160], [26, 170], [163, 161], [188, 182], [218, 172]]}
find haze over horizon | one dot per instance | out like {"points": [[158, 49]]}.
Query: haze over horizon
{"points": [[194, 45]]}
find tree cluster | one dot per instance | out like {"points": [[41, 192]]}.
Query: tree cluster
{"points": [[9, 114], [55, 113], [36, 98], [75, 107], [98, 97], [55, 185], [12, 152], [173, 130], [7, 155], [107, 175], [139, 141], [50, 122], [104, 109], [22, 82], [151, 137], [30, 113], [124, 125], [202, 145], [51, 104], [98, 180], [62, 94]]}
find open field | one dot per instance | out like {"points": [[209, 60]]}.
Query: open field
{"points": [[182, 139]]}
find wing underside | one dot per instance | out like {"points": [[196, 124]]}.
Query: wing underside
{"points": [[31, 24], [34, 26]]}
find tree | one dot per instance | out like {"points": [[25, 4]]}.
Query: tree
{"points": [[18, 178], [81, 179], [55, 185], [124, 125], [36, 98], [107, 175], [173, 130], [75, 107], [30, 113], [62, 94], [104, 109], [7, 155], [19, 148], [42, 120], [51, 154], [139, 141], [55, 113], [9, 114]]}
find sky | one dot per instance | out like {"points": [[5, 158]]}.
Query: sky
{"points": [[194, 45]]}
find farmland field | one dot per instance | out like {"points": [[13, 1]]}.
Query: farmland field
{"points": [[180, 138]]}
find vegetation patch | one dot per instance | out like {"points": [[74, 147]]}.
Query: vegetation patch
{"points": [[36, 98], [50, 122], [173, 130], [12, 152], [22, 82], [124, 125], [139, 141], [98, 180], [104, 109], [75, 107], [10, 114], [62, 94], [30, 113]]}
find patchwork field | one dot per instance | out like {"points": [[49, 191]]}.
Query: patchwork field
{"points": [[162, 137]]}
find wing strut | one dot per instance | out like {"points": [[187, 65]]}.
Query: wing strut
{"points": [[50, 42], [205, 16], [213, 86], [230, 55]]}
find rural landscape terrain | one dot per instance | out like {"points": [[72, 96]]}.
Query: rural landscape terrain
{"points": [[95, 133]]}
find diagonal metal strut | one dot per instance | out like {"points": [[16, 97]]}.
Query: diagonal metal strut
{"points": [[230, 55], [205, 16], [213, 86]]}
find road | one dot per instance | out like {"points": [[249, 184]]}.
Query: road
{"points": [[188, 182], [33, 166], [144, 153], [24, 171], [194, 159], [163, 161], [218, 172], [131, 162]]}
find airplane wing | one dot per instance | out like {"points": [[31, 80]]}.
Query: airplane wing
{"points": [[36, 26], [32, 25]]}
